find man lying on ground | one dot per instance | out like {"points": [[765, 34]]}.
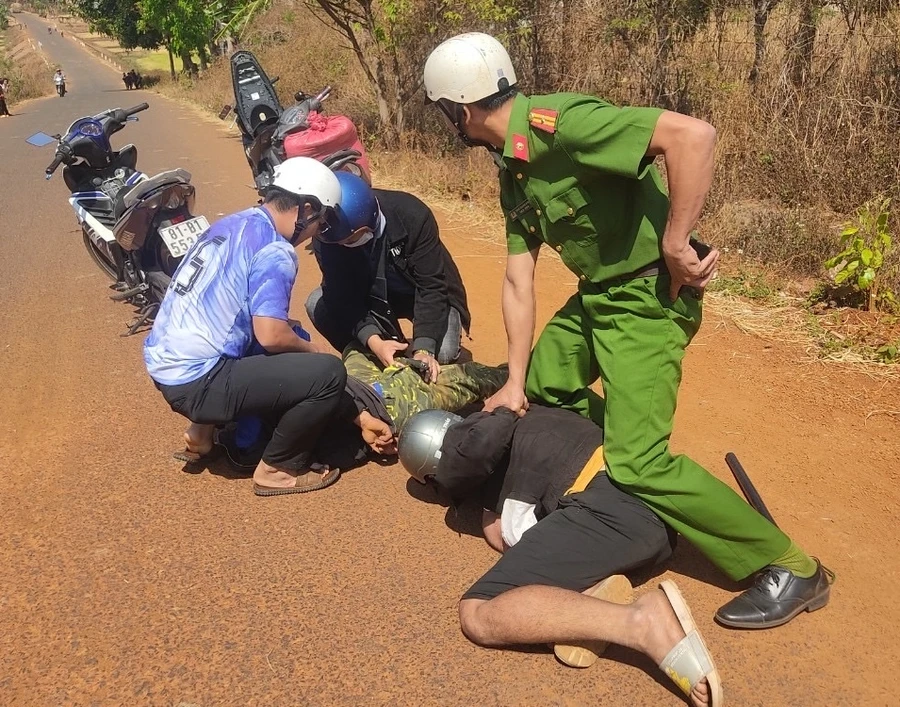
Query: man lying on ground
{"points": [[567, 534], [390, 395]]}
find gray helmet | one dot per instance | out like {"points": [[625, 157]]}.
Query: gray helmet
{"points": [[419, 447]]}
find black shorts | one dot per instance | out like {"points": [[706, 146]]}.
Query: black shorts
{"points": [[599, 532]]}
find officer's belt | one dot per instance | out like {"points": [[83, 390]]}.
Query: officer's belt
{"points": [[657, 267]]}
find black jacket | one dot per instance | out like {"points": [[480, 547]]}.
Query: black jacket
{"points": [[362, 302], [535, 458]]}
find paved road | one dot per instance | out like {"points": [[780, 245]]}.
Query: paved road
{"points": [[124, 580]]}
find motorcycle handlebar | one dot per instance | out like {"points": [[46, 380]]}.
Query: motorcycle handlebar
{"points": [[136, 109], [51, 168]]}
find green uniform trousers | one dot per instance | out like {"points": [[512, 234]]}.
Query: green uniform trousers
{"points": [[405, 393], [630, 335]]}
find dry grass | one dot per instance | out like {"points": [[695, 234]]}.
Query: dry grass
{"points": [[792, 163], [28, 73]]}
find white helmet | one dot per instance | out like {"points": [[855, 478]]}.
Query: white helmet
{"points": [[306, 177], [314, 184], [468, 67]]}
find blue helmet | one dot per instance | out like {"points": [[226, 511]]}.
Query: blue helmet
{"points": [[358, 209]]}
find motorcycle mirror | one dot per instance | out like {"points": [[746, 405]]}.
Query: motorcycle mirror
{"points": [[41, 139]]}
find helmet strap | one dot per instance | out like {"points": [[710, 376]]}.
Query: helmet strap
{"points": [[455, 116], [301, 224]]}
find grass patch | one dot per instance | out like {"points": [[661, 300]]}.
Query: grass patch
{"points": [[756, 285], [29, 76], [152, 61]]}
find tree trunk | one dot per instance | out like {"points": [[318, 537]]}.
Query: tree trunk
{"points": [[204, 65], [761, 11], [171, 61], [190, 68], [804, 42], [387, 108], [659, 95]]}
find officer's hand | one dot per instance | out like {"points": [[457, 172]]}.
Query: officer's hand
{"points": [[687, 270], [433, 366], [385, 350], [377, 434], [509, 396]]}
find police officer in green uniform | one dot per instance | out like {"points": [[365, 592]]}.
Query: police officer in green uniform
{"points": [[577, 174]]}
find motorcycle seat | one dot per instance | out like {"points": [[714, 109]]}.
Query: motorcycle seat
{"points": [[130, 196]]}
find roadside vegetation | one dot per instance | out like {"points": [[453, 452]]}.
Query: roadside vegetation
{"points": [[805, 95], [28, 74]]}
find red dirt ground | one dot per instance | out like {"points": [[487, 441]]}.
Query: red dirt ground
{"points": [[128, 581]]}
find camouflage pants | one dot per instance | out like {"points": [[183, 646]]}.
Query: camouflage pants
{"points": [[405, 392]]}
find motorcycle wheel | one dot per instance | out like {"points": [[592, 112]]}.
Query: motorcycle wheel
{"points": [[99, 258], [159, 283], [167, 262]]}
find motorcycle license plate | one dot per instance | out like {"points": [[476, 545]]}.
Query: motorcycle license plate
{"points": [[180, 237]]}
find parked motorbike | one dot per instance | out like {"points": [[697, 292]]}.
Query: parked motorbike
{"points": [[135, 227], [271, 134]]}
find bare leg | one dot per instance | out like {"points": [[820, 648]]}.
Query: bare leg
{"points": [[199, 438], [539, 614]]}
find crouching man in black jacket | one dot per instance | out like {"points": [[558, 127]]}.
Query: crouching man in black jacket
{"points": [[384, 263]]}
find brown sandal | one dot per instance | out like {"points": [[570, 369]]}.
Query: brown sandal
{"points": [[324, 475], [189, 457]]}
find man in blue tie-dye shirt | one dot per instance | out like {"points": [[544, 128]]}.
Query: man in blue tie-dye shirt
{"points": [[232, 289]]}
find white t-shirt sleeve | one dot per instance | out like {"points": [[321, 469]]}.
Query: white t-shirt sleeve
{"points": [[516, 517]]}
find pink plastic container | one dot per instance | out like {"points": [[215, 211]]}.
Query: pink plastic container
{"points": [[326, 135]]}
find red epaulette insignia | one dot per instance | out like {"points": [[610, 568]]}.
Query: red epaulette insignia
{"points": [[543, 119], [520, 147]]}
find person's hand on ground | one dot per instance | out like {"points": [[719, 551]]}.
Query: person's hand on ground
{"points": [[510, 396], [385, 349], [377, 434], [687, 270], [434, 368]]}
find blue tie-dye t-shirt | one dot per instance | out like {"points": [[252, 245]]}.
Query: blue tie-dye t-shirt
{"points": [[239, 269]]}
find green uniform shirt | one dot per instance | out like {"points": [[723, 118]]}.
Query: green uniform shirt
{"points": [[577, 178]]}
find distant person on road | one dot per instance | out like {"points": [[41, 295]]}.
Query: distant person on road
{"points": [[4, 87], [384, 263], [126, 79], [59, 78], [232, 290], [135, 79]]}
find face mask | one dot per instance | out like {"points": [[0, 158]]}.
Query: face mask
{"points": [[362, 240]]}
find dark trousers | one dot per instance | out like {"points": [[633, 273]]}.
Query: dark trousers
{"points": [[3, 109], [297, 393], [592, 535]]}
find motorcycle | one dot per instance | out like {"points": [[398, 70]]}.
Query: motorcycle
{"points": [[136, 228], [61, 89], [271, 134]]}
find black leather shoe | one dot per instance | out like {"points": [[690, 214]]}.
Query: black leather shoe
{"points": [[777, 596]]}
